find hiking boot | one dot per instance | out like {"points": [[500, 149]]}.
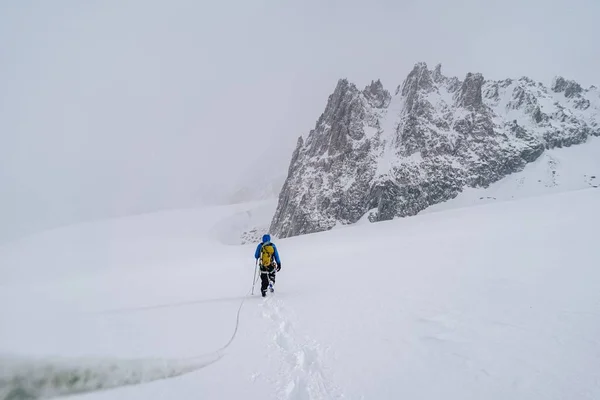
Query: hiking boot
{"points": [[264, 293]]}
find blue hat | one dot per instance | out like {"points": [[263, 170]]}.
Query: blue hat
{"points": [[266, 238]]}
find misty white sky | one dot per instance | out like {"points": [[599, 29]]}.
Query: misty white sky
{"points": [[110, 107]]}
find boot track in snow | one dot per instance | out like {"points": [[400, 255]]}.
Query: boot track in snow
{"points": [[303, 376]]}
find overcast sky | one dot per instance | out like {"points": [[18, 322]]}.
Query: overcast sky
{"points": [[109, 107]]}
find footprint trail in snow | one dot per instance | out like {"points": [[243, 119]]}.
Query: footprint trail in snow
{"points": [[303, 376]]}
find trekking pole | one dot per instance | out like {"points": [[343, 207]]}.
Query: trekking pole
{"points": [[254, 279]]}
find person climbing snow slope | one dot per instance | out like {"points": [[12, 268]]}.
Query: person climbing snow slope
{"points": [[268, 260]]}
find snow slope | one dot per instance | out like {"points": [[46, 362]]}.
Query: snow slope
{"points": [[500, 301], [555, 171]]}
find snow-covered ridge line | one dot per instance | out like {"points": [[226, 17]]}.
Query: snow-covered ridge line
{"points": [[382, 155]]}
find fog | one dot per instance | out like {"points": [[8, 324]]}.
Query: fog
{"points": [[109, 108]]}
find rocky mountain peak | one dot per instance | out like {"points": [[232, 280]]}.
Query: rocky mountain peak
{"points": [[376, 95], [418, 83], [437, 75], [470, 92], [570, 88], [335, 127], [379, 156], [418, 79]]}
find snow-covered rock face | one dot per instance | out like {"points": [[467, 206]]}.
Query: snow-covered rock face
{"points": [[390, 156]]}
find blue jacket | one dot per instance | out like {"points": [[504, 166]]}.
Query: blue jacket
{"points": [[267, 239]]}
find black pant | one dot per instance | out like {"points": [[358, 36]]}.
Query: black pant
{"points": [[266, 274]]}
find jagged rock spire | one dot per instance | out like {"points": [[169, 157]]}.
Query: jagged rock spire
{"points": [[377, 95], [470, 91]]}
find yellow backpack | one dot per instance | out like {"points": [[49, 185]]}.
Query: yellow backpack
{"points": [[266, 254]]}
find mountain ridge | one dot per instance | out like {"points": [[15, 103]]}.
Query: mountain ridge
{"points": [[393, 155]]}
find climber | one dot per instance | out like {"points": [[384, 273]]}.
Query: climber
{"points": [[268, 260]]}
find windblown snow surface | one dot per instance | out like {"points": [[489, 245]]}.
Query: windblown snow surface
{"points": [[498, 301]]}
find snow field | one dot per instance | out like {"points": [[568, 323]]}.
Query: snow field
{"points": [[497, 301]]}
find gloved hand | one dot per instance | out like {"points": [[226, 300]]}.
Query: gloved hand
{"points": [[278, 267]]}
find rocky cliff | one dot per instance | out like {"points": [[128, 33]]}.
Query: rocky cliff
{"points": [[379, 155]]}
